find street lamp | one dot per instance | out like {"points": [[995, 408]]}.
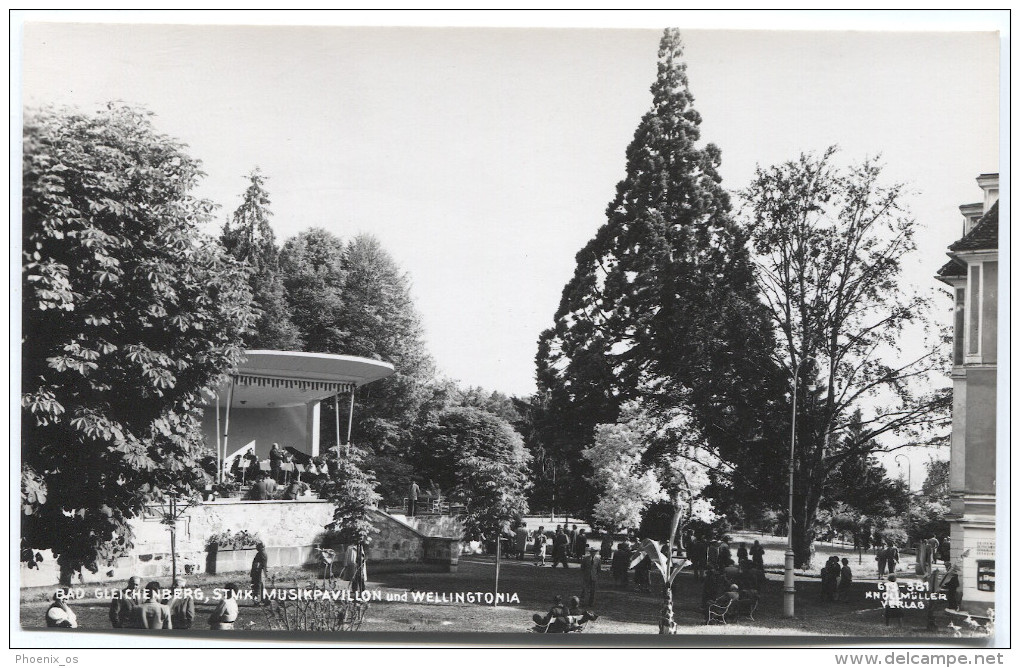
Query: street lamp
{"points": [[789, 589], [909, 477]]}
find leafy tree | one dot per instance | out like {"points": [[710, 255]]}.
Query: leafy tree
{"points": [[936, 483], [646, 458], [830, 244], [929, 512], [249, 237], [664, 291], [352, 299], [351, 488], [457, 434], [129, 317], [492, 477], [312, 264]]}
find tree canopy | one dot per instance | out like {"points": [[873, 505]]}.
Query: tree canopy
{"points": [[662, 303], [829, 246], [249, 237], [129, 317]]}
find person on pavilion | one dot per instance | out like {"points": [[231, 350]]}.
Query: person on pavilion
{"points": [[277, 455]]}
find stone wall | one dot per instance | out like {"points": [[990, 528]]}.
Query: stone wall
{"points": [[447, 526], [289, 529]]}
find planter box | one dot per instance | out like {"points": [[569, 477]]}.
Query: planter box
{"points": [[225, 560]]}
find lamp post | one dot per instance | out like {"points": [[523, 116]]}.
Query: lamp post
{"points": [[789, 589], [897, 460]]}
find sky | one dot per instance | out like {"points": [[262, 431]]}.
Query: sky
{"points": [[484, 158]]}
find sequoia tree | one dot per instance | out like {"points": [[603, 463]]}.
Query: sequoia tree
{"points": [[249, 237], [129, 317], [663, 296], [830, 244]]}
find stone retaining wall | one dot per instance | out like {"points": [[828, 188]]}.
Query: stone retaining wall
{"points": [[289, 529]]}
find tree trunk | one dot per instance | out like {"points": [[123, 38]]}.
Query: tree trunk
{"points": [[804, 529], [358, 583], [667, 626]]}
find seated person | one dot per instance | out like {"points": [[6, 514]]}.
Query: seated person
{"points": [[59, 614], [557, 614], [295, 489], [578, 617], [747, 577], [731, 595], [263, 489], [562, 618]]}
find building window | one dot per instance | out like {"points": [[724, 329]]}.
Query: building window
{"points": [[974, 310], [986, 575]]}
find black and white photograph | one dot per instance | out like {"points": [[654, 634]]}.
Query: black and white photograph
{"points": [[648, 333]]}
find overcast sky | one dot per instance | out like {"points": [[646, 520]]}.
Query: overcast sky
{"points": [[483, 159]]}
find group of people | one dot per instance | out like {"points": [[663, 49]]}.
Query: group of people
{"points": [[563, 618], [837, 579], [151, 607], [266, 488], [887, 556], [567, 543]]}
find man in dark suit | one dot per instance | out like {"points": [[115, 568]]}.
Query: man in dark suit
{"points": [[276, 458], [123, 601]]}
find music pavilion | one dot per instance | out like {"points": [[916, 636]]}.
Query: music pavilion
{"points": [[277, 396]]}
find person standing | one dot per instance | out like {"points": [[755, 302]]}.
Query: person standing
{"points": [[541, 540], [882, 557], [151, 613], [931, 555], [892, 601], [182, 606], [591, 566], [846, 579], [892, 557], [521, 540], [945, 552], [621, 564], [276, 457], [412, 498], [225, 613], [580, 544], [259, 570], [757, 553], [571, 539], [606, 551], [123, 601], [560, 542]]}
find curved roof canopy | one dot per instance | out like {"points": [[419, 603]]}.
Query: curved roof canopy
{"points": [[279, 379]]}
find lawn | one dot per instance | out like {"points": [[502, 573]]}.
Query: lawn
{"points": [[621, 611]]}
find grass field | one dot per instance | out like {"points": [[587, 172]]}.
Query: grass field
{"points": [[621, 611]]}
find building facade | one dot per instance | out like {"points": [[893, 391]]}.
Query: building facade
{"points": [[972, 274]]}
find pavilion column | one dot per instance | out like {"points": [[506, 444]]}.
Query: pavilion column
{"points": [[226, 431], [350, 421], [312, 427]]}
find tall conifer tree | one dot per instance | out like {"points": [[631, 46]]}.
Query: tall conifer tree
{"points": [[249, 237], [662, 301]]}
